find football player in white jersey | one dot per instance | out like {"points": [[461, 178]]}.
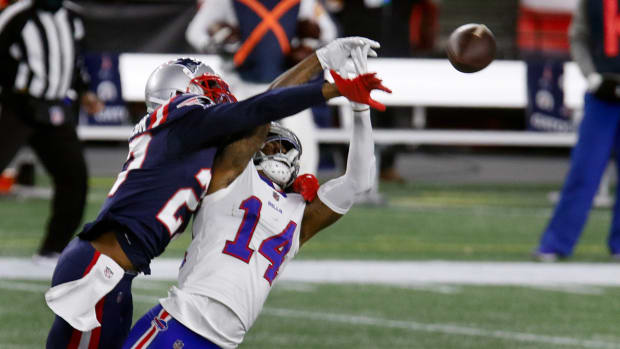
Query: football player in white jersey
{"points": [[250, 225]]}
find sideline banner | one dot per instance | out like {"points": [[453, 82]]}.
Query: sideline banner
{"points": [[131, 26], [545, 107], [106, 83]]}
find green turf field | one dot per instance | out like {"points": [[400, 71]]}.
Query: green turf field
{"points": [[421, 222], [354, 316]]}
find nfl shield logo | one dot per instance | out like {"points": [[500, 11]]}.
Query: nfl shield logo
{"points": [[178, 344], [276, 196], [108, 273], [57, 116]]}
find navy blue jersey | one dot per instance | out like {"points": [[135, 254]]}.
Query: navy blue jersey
{"points": [[167, 170]]}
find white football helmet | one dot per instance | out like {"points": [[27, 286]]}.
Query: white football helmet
{"points": [[172, 78], [282, 167]]}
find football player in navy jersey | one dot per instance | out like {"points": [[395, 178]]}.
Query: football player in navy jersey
{"points": [[171, 150], [249, 226]]}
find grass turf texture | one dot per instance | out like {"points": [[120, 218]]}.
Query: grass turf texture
{"points": [[354, 316], [421, 221]]}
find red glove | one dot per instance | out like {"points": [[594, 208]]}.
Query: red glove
{"points": [[358, 89], [307, 185]]}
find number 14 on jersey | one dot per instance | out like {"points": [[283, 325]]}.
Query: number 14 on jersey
{"points": [[273, 248]]}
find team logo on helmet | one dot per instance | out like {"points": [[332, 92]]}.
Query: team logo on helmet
{"points": [[188, 63]]}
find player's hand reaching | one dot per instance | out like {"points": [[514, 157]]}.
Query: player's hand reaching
{"points": [[334, 55], [358, 89], [357, 65]]}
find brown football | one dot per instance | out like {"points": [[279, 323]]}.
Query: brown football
{"points": [[471, 47]]}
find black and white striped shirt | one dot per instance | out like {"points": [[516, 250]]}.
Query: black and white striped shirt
{"points": [[38, 50]]}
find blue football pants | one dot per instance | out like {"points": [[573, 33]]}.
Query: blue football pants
{"points": [[599, 138], [158, 329]]}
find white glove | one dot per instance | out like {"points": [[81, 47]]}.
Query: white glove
{"points": [[335, 54], [356, 66]]}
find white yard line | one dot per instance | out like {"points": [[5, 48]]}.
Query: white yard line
{"points": [[450, 272], [391, 273], [449, 329], [440, 328]]}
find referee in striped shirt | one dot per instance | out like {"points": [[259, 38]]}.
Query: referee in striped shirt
{"points": [[40, 69]]}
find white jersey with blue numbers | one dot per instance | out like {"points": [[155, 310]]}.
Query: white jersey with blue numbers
{"points": [[244, 236]]}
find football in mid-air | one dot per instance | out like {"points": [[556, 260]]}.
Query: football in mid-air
{"points": [[471, 47]]}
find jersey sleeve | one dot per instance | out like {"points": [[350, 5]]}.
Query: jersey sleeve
{"points": [[210, 125]]}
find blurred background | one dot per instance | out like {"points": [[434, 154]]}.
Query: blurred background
{"points": [[523, 91], [470, 169]]}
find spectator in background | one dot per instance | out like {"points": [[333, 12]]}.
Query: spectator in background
{"points": [[261, 38], [39, 42], [542, 39], [404, 28], [594, 47]]}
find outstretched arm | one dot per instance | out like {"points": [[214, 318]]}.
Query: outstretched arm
{"points": [[205, 124], [209, 124], [233, 158], [336, 197], [301, 73], [332, 56]]}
